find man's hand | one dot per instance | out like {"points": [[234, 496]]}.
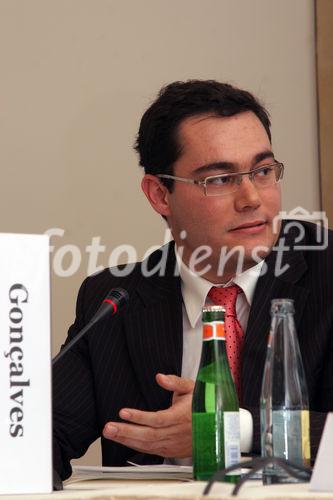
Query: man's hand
{"points": [[167, 433]]}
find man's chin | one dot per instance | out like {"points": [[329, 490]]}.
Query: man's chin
{"points": [[253, 245], [239, 258], [257, 253]]}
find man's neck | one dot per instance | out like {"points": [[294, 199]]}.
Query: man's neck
{"points": [[209, 269]]}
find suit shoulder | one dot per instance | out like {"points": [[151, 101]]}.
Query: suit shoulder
{"points": [[128, 275], [317, 249], [318, 237], [308, 235], [113, 277]]}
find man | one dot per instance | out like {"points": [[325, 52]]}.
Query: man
{"points": [[210, 171]]}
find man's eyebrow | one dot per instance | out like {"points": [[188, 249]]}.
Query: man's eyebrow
{"points": [[219, 165], [227, 165], [262, 156]]}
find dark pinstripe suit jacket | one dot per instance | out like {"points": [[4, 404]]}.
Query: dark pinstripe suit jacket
{"points": [[114, 366]]}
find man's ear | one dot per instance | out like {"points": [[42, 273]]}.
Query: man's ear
{"points": [[157, 194]]}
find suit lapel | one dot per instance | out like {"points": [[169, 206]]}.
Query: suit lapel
{"points": [[255, 343], [154, 328]]}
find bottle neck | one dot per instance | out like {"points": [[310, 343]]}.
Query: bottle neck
{"points": [[288, 383], [213, 330], [283, 324], [213, 344]]}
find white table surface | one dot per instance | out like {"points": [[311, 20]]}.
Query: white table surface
{"points": [[160, 490]]}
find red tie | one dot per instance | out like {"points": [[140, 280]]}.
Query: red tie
{"points": [[227, 297]]}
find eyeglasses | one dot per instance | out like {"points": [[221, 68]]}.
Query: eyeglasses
{"points": [[225, 184]]}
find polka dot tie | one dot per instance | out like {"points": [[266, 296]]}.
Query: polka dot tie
{"points": [[227, 297]]}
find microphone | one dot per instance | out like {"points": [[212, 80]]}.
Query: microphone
{"points": [[113, 302]]}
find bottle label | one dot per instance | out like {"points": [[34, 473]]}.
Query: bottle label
{"points": [[231, 440], [305, 417], [213, 330], [291, 435]]}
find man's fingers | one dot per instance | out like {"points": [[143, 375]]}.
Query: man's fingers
{"points": [[165, 432], [117, 430], [156, 419], [176, 384], [164, 442], [135, 444], [179, 411]]}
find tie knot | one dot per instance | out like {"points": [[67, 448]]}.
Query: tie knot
{"points": [[225, 297]]}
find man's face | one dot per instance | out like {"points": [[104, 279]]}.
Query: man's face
{"points": [[238, 143]]}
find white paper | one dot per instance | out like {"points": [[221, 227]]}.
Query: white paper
{"points": [[25, 365], [322, 476], [162, 471]]}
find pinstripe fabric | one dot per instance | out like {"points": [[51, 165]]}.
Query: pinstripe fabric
{"points": [[114, 366]]}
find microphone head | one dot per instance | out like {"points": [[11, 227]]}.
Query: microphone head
{"points": [[116, 298]]}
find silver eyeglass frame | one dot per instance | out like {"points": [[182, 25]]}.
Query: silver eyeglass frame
{"points": [[238, 175]]}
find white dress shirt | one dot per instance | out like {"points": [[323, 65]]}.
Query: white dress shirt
{"points": [[194, 291]]}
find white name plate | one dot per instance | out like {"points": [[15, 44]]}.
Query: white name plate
{"points": [[25, 365], [322, 477]]}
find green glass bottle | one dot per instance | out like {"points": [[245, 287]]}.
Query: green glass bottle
{"points": [[215, 407]]}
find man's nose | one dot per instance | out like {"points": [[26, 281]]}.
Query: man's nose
{"points": [[247, 196]]}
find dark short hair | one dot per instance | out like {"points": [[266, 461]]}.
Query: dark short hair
{"points": [[157, 142]]}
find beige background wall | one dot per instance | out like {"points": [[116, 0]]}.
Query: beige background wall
{"points": [[77, 74], [324, 16]]}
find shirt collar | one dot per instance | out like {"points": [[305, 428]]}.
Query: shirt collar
{"points": [[195, 288], [248, 279]]}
